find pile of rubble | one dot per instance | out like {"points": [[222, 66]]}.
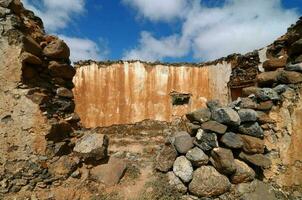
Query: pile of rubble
{"points": [[216, 149], [224, 145]]}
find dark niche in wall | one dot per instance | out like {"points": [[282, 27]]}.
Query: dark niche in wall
{"points": [[178, 99]]}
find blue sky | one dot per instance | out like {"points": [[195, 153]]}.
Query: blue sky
{"points": [[165, 30]]}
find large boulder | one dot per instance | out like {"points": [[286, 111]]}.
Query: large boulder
{"points": [[175, 182], [243, 173], [247, 91], [92, 146], [201, 115], [29, 58], [205, 140], [290, 77], [110, 173], [266, 94], [62, 70], [166, 157], [226, 116], [247, 115], [294, 67], [268, 78], [182, 168], [208, 182], [275, 63], [223, 160], [232, 140], [256, 159], [57, 49], [214, 126], [252, 129], [197, 157], [252, 145], [183, 143]]}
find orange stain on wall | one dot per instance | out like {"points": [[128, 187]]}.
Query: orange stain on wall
{"points": [[129, 92]]}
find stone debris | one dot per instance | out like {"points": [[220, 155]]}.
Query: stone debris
{"points": [[197, 157], [214, 127], [183, 143], [92, 146], [223, 160], [243, 173], [110, 173], [226, 116], [176, 182], [201, 115], [256, 159], [232, 140], [165, 159], [208, 182], [182, 168]]}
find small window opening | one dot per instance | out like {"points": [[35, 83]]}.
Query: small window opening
{"points": [[179, 99]]}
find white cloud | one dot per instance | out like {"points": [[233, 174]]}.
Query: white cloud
{"points": [[238, 26], [158, 10], [56, 14], [84, 49], [151, 49]]}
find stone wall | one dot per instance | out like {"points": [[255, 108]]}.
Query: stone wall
{"points": [[129, 92]]}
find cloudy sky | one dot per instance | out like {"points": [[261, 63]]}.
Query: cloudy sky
{"points": [[165, 30]]}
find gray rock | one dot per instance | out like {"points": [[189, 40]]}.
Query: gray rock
{"points": [[64, 92], [165, 159], [183, 143], [247, 115], [171, 139], [280, 88], [256, 159], [226, 116], [192, 128], [231, 140], [214, 126], [182, 168], [243, 173], [206, 141], [266, 94], [207, 182], [197, 157], [175, 182], [201, 115], [294, 67], [248, 103], [223, 160], [213, 104], [92, 145], [252, 129]]}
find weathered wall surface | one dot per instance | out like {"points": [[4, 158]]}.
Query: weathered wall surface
{"points": [[129, 92]]}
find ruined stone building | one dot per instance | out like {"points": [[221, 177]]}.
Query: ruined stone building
{"points": [[225, 129]]}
